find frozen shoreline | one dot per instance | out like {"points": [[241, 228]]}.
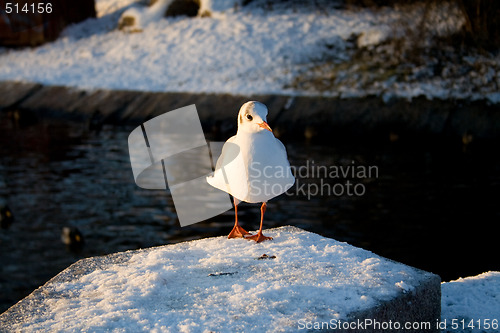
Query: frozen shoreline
{"points": [[243, 51]]}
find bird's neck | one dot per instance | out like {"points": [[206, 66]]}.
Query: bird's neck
{"points": [[243, 132]]}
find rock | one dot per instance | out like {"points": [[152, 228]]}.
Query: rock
{"points": [[126, 21]]}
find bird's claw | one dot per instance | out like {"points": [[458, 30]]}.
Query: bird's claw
{"points": [[258, 237]]}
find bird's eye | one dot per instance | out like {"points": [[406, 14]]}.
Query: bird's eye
{"points": [[249, 117]]}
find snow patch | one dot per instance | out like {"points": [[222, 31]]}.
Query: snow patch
{"points": [[244, 50], [473, 298], [403, 285]]}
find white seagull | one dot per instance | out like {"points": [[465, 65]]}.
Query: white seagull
{"points": [[253, 166]]}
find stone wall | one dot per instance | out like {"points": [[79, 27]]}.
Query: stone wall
{"points": [[303, 116]]}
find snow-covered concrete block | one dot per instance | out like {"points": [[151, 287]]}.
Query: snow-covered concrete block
{"points": [[296, 282]]}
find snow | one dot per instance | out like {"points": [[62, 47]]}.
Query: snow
{"points": [[223, 285], [237, 50], [474, 298], [234, 285], [108, 7], [404, 286]]}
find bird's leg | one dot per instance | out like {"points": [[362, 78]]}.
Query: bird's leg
{"points": [[259, 237], [238, 231]]}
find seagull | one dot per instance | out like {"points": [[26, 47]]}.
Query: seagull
{"points": [[253, 166]]}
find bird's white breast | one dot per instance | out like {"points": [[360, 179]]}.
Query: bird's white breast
{"points": [[258, 169]]}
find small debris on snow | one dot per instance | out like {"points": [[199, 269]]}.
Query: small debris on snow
{"points": [[265, 256], [222, 273]]}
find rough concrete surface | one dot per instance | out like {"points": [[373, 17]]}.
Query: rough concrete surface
{"points": [[308, 266]]}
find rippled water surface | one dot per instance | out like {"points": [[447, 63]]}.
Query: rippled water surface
{"points": [[431, 206]]}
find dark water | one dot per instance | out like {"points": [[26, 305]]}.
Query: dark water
{"points": [[432, 205]]}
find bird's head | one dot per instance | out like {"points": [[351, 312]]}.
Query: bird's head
{"points": [[252, 118]]}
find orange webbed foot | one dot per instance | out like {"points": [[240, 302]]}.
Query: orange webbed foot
{"points": [[258, 237], [238, 232]]}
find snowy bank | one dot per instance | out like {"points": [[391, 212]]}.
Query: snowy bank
{"points": [[472, 304], [216, 284], [297, 49]]}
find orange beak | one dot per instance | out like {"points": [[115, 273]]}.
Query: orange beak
{"points": [[266, 126]]}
